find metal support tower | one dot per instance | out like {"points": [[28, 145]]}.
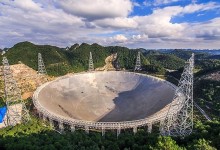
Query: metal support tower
{"points": [[118, 131], [61, 127], [51, 123], [44, 118], [41, 67], [16, 109], [135, 130], [103, 130], [179, 119], [72, 128], [117, 64], [91, 65], [149, 127], [87, 129], [138, 62]]}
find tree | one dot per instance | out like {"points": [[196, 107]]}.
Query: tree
{"points": [[166, 143], [201, 144]]}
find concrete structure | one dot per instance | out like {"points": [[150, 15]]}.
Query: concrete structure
{"points": [[105, 100]]}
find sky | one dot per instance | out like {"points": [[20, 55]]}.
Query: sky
{"points": [[150, 24]]}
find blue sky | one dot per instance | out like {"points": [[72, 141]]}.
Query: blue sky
{"points": [[131, 23], [193, 17]]}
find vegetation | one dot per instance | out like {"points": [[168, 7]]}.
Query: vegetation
{"points": [[186, 54], [59, 61], [2, 103], [207, 94], [167, 61], [181, 54], [214, 57], [27, 52], [207, 64], [154, 69], [35, 135]]}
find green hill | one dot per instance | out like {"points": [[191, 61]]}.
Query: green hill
{"points": [[186, 54], [27, 52], [79, 56], [151, 52], [207, 94], [183, 54], [59, 61], [167, 61]]}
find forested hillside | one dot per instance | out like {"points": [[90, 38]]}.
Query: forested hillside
{"points": [[27, 52], [185, 54], [167, 61], [59, 61], [207, 93]]}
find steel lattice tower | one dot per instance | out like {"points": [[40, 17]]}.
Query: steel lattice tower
{"points": [[117, 64], [41, 67], [16, 109], [138, 62], [91, 65], [179, 119]]}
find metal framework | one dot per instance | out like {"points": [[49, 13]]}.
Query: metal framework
{"points": [[91, 65], [175, 120], [179, 119], [16, 109], [117, 64], [202, 112], [138, 62], [41, 67], [92, 125]]}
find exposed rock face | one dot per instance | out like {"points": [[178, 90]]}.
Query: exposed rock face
{"points": [[27, 79], [109, 61]]}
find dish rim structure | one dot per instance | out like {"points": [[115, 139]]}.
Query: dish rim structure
{"points": [[87, 125]]}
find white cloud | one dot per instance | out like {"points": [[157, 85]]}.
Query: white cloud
{"points": [[117, 22], [27, 5], [49, 25], [96, 9], [136, 4], [123, 40], [158, 24], [118, 38], [199, 7], [207, 31], [157, 27], [13, 33], [158, 2], [47, 22], [139, 37], [161, 2]]}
